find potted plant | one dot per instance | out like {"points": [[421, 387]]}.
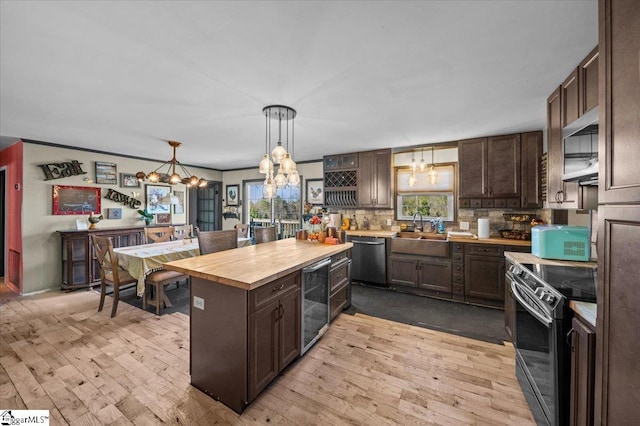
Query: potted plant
{"points": [[146, 216]]}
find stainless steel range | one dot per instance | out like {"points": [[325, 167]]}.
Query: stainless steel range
{"points": [[543, 319]]}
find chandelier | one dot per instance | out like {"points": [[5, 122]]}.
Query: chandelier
{"points": [[287, 172], [174, 177]]}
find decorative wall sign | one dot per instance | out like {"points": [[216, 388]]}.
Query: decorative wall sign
{"points": [[106, 173], [119, 197], [163, 218], [75, 200], [62, 170], [128, 180], [233, 195], [315, 191]]}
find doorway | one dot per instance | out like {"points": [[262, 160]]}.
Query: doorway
{"points": [[207, 214], [3, 215]]}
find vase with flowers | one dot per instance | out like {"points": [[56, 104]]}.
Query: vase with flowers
{"points": [[146, 216]]}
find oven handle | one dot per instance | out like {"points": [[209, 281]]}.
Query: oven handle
{"points": [[543, 319], [316, 266]]}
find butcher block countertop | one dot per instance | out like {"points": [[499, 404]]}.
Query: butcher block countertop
{"points": [[380, 234], [253, 266], [588, 311], [530, 258]]}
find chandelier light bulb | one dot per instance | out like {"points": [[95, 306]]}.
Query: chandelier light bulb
{"points": [[153, 177], [202, 183], [278, 153], [423, 165], [412, 180], [141, 176], [175, 178], [432, 176], [414, 166]]}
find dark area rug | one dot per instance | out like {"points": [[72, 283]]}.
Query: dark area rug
{"points": [[179, 298], [475, 322]]}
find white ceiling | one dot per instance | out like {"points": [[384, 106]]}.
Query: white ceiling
{"points": [[125, 76]]}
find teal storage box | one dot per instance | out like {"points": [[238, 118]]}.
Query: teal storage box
{"points": [[561, 242]]}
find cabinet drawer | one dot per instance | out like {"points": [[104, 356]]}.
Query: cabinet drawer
{"points": [[457, 248], [513, 203], [458, 257], [458, 289], [458, 268], [458, 278], [464, 203], [264, 295], [484, 249], [337, 258], [338, 301], [500, 203], [488, 203], [475, 203], [339, 276]]}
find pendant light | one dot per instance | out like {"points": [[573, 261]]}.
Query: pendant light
{"points": [[432, 175], [174, 177], [414, 166], [423, 165], [287, 172], [412, 179]]}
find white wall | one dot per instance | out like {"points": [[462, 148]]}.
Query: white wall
{"points": [[41, 243], [307, 171]]}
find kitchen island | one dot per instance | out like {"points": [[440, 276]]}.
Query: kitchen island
{"points": [[245, 320]]}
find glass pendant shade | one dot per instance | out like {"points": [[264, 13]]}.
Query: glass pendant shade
{"points": [[141, 176], [280, 179], [266, 164], [269, 187], [293, 178], [278, 153], [432, 175], [202, 183], [153, 177], [193, 181], [175, 178], [423, 165], [412, 180], [287, 165]]}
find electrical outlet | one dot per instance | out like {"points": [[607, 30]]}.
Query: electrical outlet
{"points": [[198, 302], [464, 226], [389, 222]]}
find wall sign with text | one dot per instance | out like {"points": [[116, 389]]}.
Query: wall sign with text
{"points": [[62, 170]]}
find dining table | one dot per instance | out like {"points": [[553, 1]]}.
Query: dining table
{"points": [[141, 260]]}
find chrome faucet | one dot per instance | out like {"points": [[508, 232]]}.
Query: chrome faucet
{"points": [[417, 228]]}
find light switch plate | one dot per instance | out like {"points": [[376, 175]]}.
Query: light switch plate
{"points": [[198, 302], [464, 226]]}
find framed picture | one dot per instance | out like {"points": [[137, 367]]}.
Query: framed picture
{"points": [[128, 180], [75, 200], [106, 173], [163, 218], [314, 191], [155, 194], [179, 208], [233, 195]]}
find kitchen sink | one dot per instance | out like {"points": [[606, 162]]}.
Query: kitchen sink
{"points": [[418, 243]]}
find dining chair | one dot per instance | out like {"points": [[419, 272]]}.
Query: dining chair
{"points": [[215, 241], [265, 234], [243, 230], [180, 232], [158, 280], [110, 271], [158, 234]]}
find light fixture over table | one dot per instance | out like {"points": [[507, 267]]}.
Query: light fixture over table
{"points": [[287, 172], [174, 177]]}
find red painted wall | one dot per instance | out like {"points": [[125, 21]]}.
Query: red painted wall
{"points": [[12, 158]]}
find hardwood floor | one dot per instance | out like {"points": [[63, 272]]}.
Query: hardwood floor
{"points": [[58, 353]]}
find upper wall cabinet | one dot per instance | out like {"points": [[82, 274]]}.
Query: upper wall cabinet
{"points": [[490, 172], [580, 89], [531, 170], [374, 179]]}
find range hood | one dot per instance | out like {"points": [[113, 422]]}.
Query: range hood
{"points": [[580, 150]]}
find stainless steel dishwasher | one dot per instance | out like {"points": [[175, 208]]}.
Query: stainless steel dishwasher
{"points": [[369, 256]]}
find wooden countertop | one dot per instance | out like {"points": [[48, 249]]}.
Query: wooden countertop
{"points": [[379, 234], [588, 311], [530, 258], [501, 241], [253, 266]]}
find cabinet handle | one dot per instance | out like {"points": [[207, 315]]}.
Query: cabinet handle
{"points": [[280, 311], [276, 312], [569, 339], [278, 288]]}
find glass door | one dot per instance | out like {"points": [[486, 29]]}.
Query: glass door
{"points": [[315, 302]]}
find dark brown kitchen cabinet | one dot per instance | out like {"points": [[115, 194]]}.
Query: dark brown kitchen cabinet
{"points": [[339, 283], [489, 172], [425, 275], [583, 340], [274, 338], [560, 194], [340, 161], [340, 174], [484, 274], [531, 170], [570, 98], [374, 179], [80, 267], [588, 79]]}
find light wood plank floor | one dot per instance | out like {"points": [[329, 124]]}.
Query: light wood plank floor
{"points": [[58, 353]]}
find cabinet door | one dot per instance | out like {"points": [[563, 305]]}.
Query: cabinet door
{"points": [[531, 181], [435, 275], [383, 179], [582, 373], [263, 347], [472, 163], [503, 166], [403, 270], [560, 195], [484, 277], [374, 179], [588, 78], [570, 99], [289, 328], [366, 179]]}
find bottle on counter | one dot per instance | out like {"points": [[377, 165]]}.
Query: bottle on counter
{"points": [[354, 224]]}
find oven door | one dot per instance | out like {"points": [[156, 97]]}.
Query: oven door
{"points": [[536, 343]]}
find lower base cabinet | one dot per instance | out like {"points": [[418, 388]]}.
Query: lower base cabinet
{"points": [[425, 275], [583, 348], [241, 340], [339, 284]]}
